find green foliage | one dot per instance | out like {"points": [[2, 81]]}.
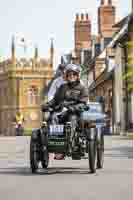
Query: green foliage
{"points": [[129, 75], [27, 132], [130, 87], [83, 70]]}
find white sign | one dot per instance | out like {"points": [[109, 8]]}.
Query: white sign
{"points": [[111, 64]]}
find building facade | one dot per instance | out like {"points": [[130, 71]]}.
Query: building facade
{"points": [[106, 20], [21, 89], [82, 36]]}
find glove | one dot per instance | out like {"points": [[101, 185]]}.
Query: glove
{"points": [[75, 108], [45, 107], [71, 109], [66, 104]]}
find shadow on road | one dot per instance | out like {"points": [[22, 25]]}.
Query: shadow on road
{"points": [[120, 152], [25, 171]]}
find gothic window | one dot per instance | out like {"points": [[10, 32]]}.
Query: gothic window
{"points": [[33, 95]]}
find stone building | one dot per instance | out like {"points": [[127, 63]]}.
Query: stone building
{"points": [[21, 89]]}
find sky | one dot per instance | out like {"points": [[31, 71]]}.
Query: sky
{"points": [[39, 20]]}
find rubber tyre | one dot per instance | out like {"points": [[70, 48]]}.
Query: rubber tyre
{"points": [[100, 153], [33, 156], [92, 156], [45, 162]]}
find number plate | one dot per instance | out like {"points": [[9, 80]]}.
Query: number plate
{"points": [[56, 143], [100, 125], [56, 129]]}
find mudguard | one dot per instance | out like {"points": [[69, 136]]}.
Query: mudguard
{"points": [[35, 134], [91, 134]]}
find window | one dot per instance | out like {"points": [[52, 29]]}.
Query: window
{"points": [[33, 95]]}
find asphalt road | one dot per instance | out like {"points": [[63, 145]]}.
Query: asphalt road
{"points": [[66, 179]]}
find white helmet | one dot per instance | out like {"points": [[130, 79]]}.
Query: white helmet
{"points": [[73, 68]]}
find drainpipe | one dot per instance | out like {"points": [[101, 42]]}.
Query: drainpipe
{"points": [[126, 87], [130, 48], [113, 110]]}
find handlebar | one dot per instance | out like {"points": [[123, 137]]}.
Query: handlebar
{"points": [[66, 104]]}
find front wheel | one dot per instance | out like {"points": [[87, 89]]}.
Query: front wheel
{"points": [[92, 155], [33, 156], [100, 153], [45, 160]]}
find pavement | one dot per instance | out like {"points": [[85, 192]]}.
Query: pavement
{"points": [[66, 179]]}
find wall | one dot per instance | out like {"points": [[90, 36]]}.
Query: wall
{"points": [[119, 96]]}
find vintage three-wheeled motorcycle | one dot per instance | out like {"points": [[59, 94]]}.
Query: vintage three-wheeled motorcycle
{"points": [[77, 138]]}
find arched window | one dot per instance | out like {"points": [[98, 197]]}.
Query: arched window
{"points": [[33, 95]]}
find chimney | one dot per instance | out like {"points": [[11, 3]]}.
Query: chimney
{"points": [[87, 16], [102, 2], [77, 17], [82, 16], [109, 2]]}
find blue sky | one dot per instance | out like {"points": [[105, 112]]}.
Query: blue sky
{"points": [[39, 20]]}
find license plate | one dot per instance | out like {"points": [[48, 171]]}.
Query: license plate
{"points": [[100, 125], [56, 129], [56, 143]]}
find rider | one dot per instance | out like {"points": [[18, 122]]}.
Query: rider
{"points": [[71, 91]]}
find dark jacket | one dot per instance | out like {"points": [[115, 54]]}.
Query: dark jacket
{"points": [[75, 92]]}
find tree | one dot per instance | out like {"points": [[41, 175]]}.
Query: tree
{"points": [[129, 75]]}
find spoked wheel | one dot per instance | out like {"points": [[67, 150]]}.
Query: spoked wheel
{"points": [[92, 155], [33, 156], [100, 152], [45, 160]]}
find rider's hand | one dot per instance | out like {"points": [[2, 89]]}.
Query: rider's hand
{"points": [[71, 109], [66, 104]]}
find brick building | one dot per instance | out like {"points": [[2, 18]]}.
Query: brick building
{"points": [[100, 82], [82, 36], [21, 86], [106, 20]]}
